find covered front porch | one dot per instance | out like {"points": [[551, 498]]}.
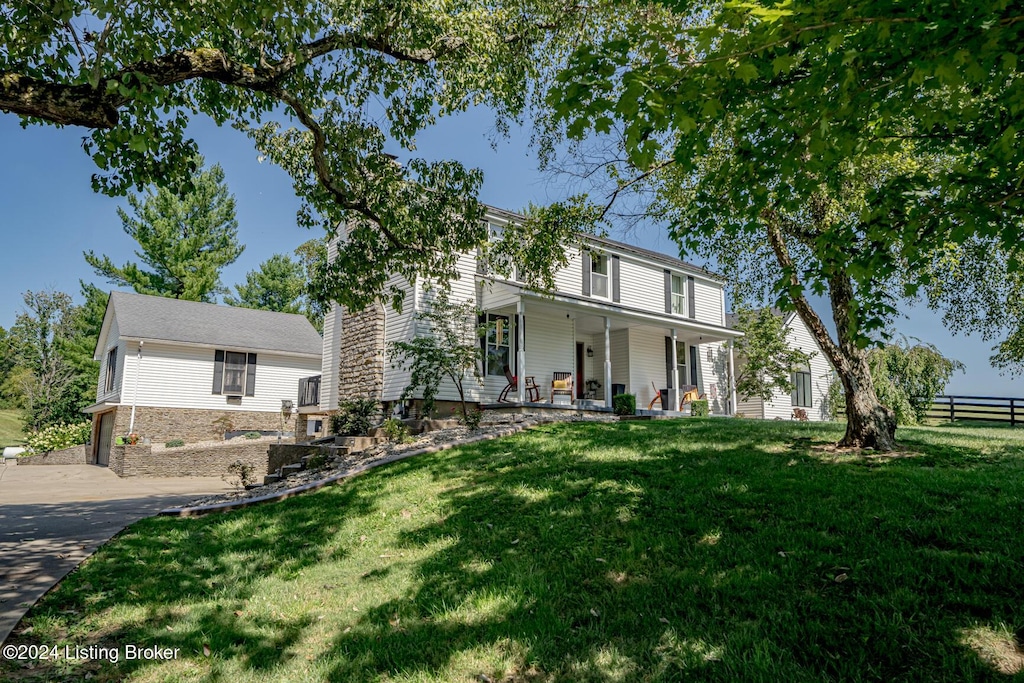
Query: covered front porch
{"points": [[603, 349]]}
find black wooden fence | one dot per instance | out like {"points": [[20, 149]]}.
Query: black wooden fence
{"points": [[988, 408]]}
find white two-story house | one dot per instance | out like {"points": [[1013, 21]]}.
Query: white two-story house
{"points": [[623, 319], [173, 369]]}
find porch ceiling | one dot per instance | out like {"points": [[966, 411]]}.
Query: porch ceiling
{"points": [[591, 321]]}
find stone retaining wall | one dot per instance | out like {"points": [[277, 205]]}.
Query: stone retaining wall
{"points": [[187, 461], [287, 454], [76, 455], [192, 424]]}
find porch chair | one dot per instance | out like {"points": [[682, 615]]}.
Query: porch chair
{"points": [[800, 414], [561, 383], [689, 395], [657, 396], [532, 390]]}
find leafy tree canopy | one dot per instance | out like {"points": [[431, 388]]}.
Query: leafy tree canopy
{"points": [[347, 75], [975, 287], [185, 238], [277, 285]]}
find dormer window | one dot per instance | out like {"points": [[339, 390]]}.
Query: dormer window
{"points": [[599, 275]]}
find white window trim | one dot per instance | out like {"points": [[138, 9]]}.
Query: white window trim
{"points": [[597, 276]]}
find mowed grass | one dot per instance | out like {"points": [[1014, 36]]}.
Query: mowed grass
{"points": [[699, 549], [10, 429]]}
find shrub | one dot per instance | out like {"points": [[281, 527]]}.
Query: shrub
{"points": [[354, 417], [240, 474], [58, 436], [317, 461], [472, 419], [624, 404], [253, 435], [222, 425], [395, 430], [700, 408], [174, 443]]}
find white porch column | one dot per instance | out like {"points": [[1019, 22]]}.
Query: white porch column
{"points": [[521, 353], [607, 362], [732, 382], [673, 393]]}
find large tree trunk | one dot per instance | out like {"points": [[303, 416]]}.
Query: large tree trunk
{"points": [[869, 424]]}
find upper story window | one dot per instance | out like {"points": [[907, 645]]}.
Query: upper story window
{"points": [[111, 369], [499, 264], [679, 295], [234, 373], [599, 275]]}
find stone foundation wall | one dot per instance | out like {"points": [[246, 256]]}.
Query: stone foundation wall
{"points": [[76, 455], [287, 454], [188, 461], [361, 366], [188, 424]]}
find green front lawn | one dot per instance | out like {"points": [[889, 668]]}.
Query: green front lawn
{"points": [[10, 429], [702, 549]]}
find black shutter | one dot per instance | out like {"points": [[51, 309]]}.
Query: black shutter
{"points": [[693, 367], [669, 365], [668, 291], [691, 303], [615, 279], [218, 371], [586, 273], [250, 376]]}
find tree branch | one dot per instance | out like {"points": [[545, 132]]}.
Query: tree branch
{"points": [[803, 307]]}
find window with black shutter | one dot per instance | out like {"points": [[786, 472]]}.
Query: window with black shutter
{"points": [[234, 373]]}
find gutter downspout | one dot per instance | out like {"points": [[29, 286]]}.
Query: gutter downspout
{"points": [[135, 393]]}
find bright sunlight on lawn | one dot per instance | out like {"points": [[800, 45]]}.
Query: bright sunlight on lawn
{"points": [[702, 549]]}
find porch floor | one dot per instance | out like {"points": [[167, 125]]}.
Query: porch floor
{"points": [[581, 406]]}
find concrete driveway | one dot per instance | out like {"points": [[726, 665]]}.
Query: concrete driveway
{"points": [[54, 516]]}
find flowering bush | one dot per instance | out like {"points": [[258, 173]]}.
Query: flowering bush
{"points": [[58, 436]]}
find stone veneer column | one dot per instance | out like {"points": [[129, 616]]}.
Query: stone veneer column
{"points": [[361, 366]]}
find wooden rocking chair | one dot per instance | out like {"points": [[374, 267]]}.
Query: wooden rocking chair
{"points": [[561, 383]]}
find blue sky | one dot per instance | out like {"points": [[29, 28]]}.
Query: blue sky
{"points": [[50, 215]]}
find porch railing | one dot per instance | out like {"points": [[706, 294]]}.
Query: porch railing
{"points": [[309, 391], [988, 408]]}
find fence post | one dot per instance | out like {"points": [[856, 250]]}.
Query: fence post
{"points": [[952, 402], [1013, 411]]}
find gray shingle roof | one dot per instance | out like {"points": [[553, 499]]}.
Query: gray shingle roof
{"points": [[158, 318]]}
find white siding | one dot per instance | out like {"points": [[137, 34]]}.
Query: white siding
{"points": [[646, 364], [714, 375], [707, 301], [570, 279], [620, 359], [398, 327], [549, 348], [331, 358], [102, 395], [641, 286], [781, 403], [173, 376]]}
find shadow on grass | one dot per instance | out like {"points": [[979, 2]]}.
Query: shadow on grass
{"points": [[704, 549], [660, 562]]}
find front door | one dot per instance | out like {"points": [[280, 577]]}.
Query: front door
{"points": [[104, 438]]}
